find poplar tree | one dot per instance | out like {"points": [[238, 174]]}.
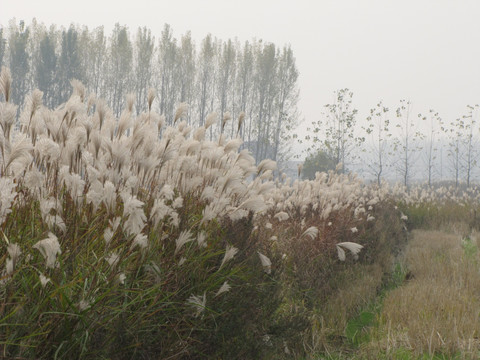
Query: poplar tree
{"points": [[46, 67], [378, 129], [144, 50], [121, 56], [19, 60]]}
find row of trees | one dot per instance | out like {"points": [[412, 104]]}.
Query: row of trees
{"points": [[256, 81], [395, 144]]}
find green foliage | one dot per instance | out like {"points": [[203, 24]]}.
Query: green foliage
{"points": [[356, 328], [317, 162], [86, 311], [470, 248], [336, 131]]}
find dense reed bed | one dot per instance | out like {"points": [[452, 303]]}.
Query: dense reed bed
{"points": [[127, 238]]}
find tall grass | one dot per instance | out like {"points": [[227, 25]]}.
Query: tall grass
{"points": [[123, 238]]}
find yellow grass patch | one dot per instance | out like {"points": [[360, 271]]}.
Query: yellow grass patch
{"points": [[437, 310]]}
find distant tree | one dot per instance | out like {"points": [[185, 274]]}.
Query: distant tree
{"points": [[244, 89], [186, 70], [265, 93], [320, 161], [144, 49], [378, 129], [471, 141], [435, 124], [97, 70], [286, 103], [2, 47], [45, 70], [167, 61], [406, 144], [69, 63], [205, 76], [226, 74], [19, 60], [336, 131], [120, 74], [455, 148]]}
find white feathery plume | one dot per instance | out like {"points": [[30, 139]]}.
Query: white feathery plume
{"points": [[229, 254], [311, 232], [199, 134], [181, 111], [130, 102], [184, 237], [95, 194], [115, 223], [167, 192], [254, 203], [113, 259], [224, 288], [266, 165], [354, 248], [83, 305], [140, 240], [208, 213], [9, 265], [232, 145], [20, 151], [7, 196], [121, 278], [266, 175], [124, 123], [8, 113], [237, 214], [299, 169], [150, 97], [43, 280], [49, 248], [226, 117], [241, 118], [5, 83], [47, 149], [201, 239], [159, 211], [266, 263], [46, 205], [161, 122], [177, 203], [198, 302], [133, 211], [14, 251], [55, 221], [281, 216], [208, 193], [78, 89], [109, 197], [211, 119]]}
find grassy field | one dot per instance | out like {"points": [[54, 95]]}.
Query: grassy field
{"points": [[432, 313]]}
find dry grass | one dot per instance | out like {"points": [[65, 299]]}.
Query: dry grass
{"points": [[437, 310], [358, 289]]}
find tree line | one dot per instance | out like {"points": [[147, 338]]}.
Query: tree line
{"points": [[254, 82], [395, 144]]}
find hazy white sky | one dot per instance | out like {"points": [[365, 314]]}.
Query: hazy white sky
{"points": [[427, 51]]}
